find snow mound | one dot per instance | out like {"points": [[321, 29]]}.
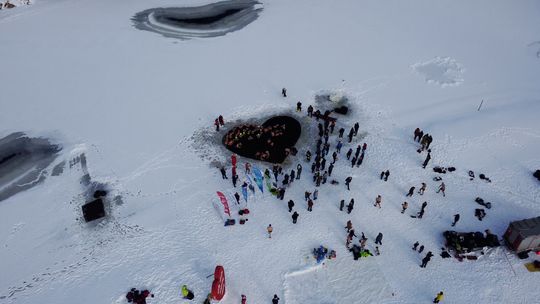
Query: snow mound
{"points": [[211, 20], [443, 71], [338, 281]]}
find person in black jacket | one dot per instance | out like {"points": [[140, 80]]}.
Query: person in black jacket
{"points": [[275, 300]]}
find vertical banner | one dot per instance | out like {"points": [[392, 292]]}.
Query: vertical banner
{"points": [[223, 200], [258, 177], [233, 160], [244, 192]]}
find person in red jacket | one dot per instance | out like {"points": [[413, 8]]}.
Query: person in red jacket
{"points": [[244, 299]]}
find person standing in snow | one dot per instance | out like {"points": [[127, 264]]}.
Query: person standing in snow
{"points": [[281, 193], [356, 127], [186, 293], [223, 173], [361, 159], [248, 168], [386, 175], [334, 157], [341, 205], [275, 300], [330, 169], [349, 153], [439, 297], [421, 213], [351, 134], [310, 111], [442, 187], [428, 158], [216, 123], [456, 219], [308, 156], [237, 197], [411, 192], [244, 299], [382, 175], [348, 182], [424, 141], [234, 180], [429, 140], [404, 207], [269, 229], [310, 205], [416, 134], [298, 171], [284, 92], [349, 226], [378, 201], [307, 195], [341, 131], [295, 217], [415, 245], [293, 175], [290, 204], [426, 259], [332, 126], [378, 239], [299, 107], [422, 189], [315, 194], [221, 120], [353, 162], [350, 206], [339, 145]]}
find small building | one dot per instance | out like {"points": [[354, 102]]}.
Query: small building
{"points": [[523, 235], [93, 210]]}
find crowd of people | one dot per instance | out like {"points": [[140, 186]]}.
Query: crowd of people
{"points": [[323, 160]]}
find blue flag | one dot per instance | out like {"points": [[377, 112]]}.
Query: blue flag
{"points": [[258, 178]]}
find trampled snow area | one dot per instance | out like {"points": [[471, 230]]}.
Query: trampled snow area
{"points": [[139, 107]]}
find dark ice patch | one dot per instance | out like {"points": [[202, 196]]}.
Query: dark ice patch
{"points": [[212, 20], [23, 161]]}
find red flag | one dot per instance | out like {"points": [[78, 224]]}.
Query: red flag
{"points": [[233, 160], [223, 200]]}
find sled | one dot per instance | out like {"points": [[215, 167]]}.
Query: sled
{"points": [[230, 222]]}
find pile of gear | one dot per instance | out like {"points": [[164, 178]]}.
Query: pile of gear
{"points": [[358, 252], [465, 242], [138, 297], [443, 170], [322, 253]]}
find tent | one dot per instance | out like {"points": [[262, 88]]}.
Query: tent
{"points": [[523, 235]]}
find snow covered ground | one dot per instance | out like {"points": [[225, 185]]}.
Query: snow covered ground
{"points": [[140, 107]]}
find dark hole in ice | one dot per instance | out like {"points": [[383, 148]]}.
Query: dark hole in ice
{"points": [[276, 137], [23, 161], [211, 20], [204, 20]]}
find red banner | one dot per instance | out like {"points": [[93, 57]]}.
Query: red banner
{"points": [[233, 160], [223, 200], [218, 286]]}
